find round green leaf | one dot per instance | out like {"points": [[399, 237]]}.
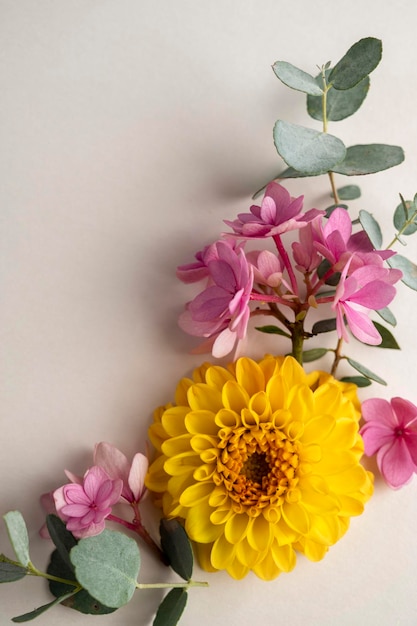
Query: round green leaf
{"points": [[324, 326], [359, 61], [339, 104], [401, 216], [107, 566], [387, 316], [296, 78], [307, 150], [368, 159], [81, 601], [371, 227], [408, 269], [18, 535], [349, 192]]}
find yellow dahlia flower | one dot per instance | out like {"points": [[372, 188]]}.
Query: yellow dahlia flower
{"points": [[260, 460]]}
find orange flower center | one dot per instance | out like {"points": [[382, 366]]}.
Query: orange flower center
{"points": [[257, 467]]}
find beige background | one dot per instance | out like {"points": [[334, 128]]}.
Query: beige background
{"points": [[129, 131]]}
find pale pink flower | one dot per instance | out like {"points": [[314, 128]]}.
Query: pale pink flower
{"points": [[198, 270], [267, 268], [222, 309], [305, 254], [85, 507], [117, 466], [390, 432], [366, 289], [277, 214]]}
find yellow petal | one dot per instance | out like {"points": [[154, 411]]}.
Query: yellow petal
{"points": [[246, 554], [203, 551], [217, 376], [222, 553], [176, 445], [259, 533], [296, 517], [173, 421], [196, 493], [198, 525], [201, 422], [204, 397], [284, 556], [236, 527], [234, 397], [183, 463], [267, 569], [250, 376]]}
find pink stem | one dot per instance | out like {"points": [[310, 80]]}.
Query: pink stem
{"points": [[286, 260]]}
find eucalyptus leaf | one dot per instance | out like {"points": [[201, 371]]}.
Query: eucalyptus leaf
{"points": [[82, 601], [324, 326], [313, 354], [107, 566], [18, 535], [387, 315], [365, 371], [388, 340], [307, 150], [401, 216], [408, 269], [272, 330], [296, 79], [27, 617], [339, 104], [10, 572], [359, 61], [171, 608], [176, 547], [349, 192], [372, 228], [359, 381], [368, 159], [62, 538]]}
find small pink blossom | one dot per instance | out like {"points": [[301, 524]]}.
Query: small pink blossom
{"points": [[366, 289], [222, 309], [194, 272], [85, 507], [390, 432], [267, 268], [305, 254], [277, 214], [117, 466]]}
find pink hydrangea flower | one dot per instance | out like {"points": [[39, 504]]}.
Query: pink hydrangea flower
{"points": [[304, 251], [198, 270], [117, 466], [84, 507], [366, 289], [222, 309], [277, 214], [267, 268], [390, 432]]}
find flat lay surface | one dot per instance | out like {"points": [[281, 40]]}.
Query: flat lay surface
{"points": [[129, 131]]}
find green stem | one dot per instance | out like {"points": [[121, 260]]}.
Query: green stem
{"points": [[406, 224], [297, 340], [34, 571], [337, 357], [184, 585]]}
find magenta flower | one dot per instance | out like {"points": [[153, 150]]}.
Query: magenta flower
{"points": [[221, 311], [193, 272], [277, 214], [304, 251], [85, 507], [366, 289], [116, 465], [390, 432], [335, 241], [267, 268]]}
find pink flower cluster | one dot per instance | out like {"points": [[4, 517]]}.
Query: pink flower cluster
{"points": [[292, 276], [86, 502]]}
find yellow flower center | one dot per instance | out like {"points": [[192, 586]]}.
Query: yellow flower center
{"points": [[256, 466]]}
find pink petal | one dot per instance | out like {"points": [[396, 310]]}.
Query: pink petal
{"points": [[375, 436], [112, 460], [379, 411], [75, 494], [76, 510], [405, 411], [361, 326], [375, 295], [395, 463], [137, 475], [224, 343]]}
